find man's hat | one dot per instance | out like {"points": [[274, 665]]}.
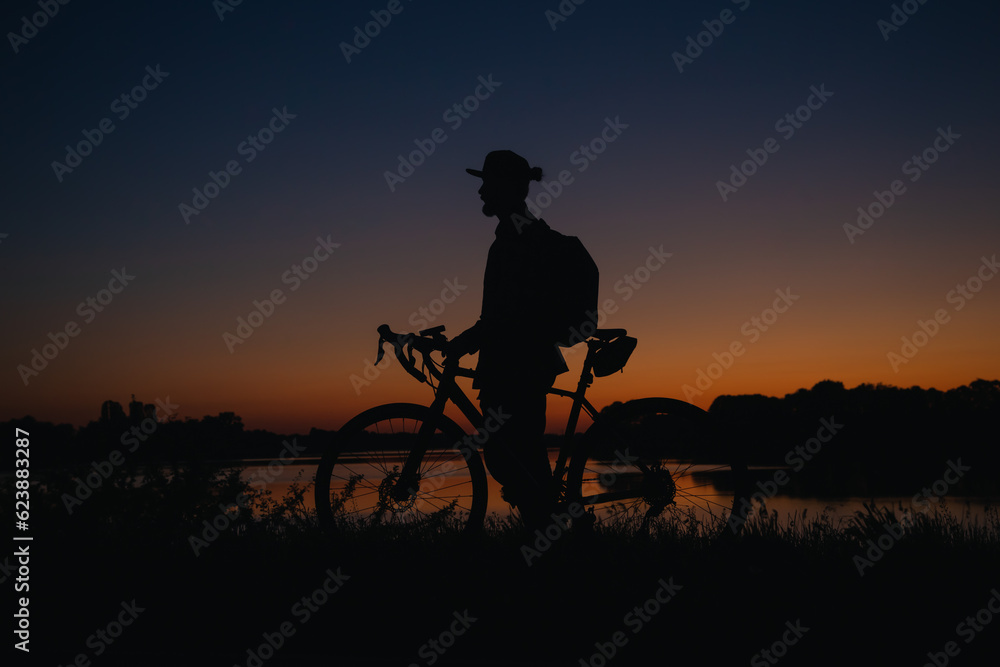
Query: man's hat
{"points": [[503, 164]]}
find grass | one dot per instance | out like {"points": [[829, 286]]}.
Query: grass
{"points": [[173, 501], [132, 538], [940, 526]]}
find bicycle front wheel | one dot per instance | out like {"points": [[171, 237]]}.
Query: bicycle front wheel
{"points": [[359, 485], [657, 461]]}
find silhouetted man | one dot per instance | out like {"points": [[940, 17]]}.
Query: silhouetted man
{"points": [[537, 287]]}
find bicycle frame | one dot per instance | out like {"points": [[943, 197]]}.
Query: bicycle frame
{"points": [[579, 402], [648, 480], [448, 390]]}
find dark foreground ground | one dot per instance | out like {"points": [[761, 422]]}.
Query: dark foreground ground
{"points": [[673, 599]]}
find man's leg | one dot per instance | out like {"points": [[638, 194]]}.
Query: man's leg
{"points": [[515, 453]]}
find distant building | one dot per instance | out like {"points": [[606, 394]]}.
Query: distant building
{"points": [[111, 412], [135, 411]]}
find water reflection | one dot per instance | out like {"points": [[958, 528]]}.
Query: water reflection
{"points": [[707, 481]]}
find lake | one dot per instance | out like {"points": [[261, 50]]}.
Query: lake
{"points": [[279, 477]]}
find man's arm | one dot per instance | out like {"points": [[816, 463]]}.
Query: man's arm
{"points": [[467, 342]]}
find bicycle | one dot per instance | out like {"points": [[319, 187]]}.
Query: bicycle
{"points": [[410, 465]]}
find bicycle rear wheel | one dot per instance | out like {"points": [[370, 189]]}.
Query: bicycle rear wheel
{"points": [[657, 462], [357, 480]]}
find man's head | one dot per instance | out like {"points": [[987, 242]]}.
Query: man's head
{"points": [[506, 176]]}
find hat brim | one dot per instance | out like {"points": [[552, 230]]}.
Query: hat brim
{"points": [[475, 172]]}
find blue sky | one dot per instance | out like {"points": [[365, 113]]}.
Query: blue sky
{"points": [[324, 175]]}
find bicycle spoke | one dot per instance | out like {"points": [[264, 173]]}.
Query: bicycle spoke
{"points": [[428, 501], [374, 489], [681, 473], [443, 461], [350, 472], [451, 486], [712, 502], [384, 463], [370, 470], [678, 472], [699, 486]]}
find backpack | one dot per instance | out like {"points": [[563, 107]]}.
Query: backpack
{"points": [[574, 313]]}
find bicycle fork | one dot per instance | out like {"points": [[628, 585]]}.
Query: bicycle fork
{"points": [[408, 482]]}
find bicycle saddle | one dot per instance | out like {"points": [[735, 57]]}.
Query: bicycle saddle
{"points": [[608, 334]]}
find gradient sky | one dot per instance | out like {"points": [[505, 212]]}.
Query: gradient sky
{"points": [[324, 176]]}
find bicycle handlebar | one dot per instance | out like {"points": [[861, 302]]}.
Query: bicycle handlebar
{"points": [[386, 335], [403, 345], [434, 340]]}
